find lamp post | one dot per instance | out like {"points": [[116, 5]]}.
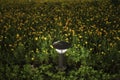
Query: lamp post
{"points": [[61, 47]]}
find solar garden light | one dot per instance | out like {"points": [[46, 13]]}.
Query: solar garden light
{"points": [[61, 47]]}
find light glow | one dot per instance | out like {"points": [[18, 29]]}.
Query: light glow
{"points": [[61, 51]]}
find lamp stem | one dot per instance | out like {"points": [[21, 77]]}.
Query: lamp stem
{"points": [[61, 59]]}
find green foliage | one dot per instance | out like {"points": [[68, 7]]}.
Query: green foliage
{"points": [[27, 32]]}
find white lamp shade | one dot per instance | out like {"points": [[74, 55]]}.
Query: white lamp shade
{"points": [[61, 51]]}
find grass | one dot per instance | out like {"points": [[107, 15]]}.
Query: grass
{"points": [[27, 32]]}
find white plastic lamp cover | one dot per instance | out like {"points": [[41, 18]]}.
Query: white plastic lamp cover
{"points": [[61, 51]]}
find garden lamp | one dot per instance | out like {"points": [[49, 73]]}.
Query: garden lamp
{"points": [[61, 47]]}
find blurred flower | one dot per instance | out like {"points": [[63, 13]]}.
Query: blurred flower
{"points": [[45, 38], [118, 38], [86, 42], [99, 45], [51, 46], [10, 45], [12, 49], [36, 38], [66, 35], [37, 50], [66, 39], [45, 51], [80, 36], [103, 53], [60, 24], [32, 58], [17, 35], [91, 49]]}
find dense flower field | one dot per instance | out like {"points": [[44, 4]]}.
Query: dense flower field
{"points": [[27, 32]]}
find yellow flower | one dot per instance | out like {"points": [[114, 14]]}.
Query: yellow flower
{"points": [[17, 35], [51, 46], [37, 50], [36, 38], [60, 24], [91, 49], [86, 42], [45, 38], [10, 45], [32, 58], [45, 51], [118, 38], [99, 45], [66, 39], [12, 49], [66, 35], [80, 36], [103, 53]]}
